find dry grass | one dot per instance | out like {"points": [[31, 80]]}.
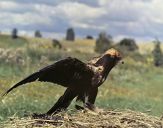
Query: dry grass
{"points": [[79, 45], [87, 119], [147, 47]]}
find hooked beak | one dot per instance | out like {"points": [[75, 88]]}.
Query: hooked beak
{"points": [[122, 62]]}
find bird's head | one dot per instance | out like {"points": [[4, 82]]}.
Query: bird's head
{"points": [[104, 63], [113, 55], [110, 58]]}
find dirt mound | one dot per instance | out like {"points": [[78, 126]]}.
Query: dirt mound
{"points": [[87, 119]]}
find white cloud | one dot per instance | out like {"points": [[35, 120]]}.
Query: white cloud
{"points": [[135, 18], [20, 14], [22, 19], [81, 15], [7, 5], [80, 11], [13, 7], [76, 14]]}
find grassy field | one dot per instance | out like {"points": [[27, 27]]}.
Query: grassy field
{"points": [[136, 85]]}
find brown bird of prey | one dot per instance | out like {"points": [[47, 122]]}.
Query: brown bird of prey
{"points": [[81, 79]]}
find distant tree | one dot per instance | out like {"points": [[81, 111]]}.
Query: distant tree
{"points": [[157, 53], [56, 43], [70, 35], [103, 42], [38, 34], [14, 33], [129, 44], [89, 37]]}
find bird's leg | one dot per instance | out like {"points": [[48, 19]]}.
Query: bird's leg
{"points": [[92, 93], [87, 98], [80, 100], [63, 102]]}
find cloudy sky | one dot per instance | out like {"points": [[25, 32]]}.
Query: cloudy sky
{"points": [[140, 19]]}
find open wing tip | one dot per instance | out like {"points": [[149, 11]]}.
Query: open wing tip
{"points": [[4, 94]]}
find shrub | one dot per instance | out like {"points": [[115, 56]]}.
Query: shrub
{"points": [[70, 35], [157, 54], [128, 44], [56, 43], [89, 37], [38, 34], [14, 33], [103, 42]]}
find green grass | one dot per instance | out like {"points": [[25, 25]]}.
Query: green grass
{"points": [[7, 42], [136, 85]]}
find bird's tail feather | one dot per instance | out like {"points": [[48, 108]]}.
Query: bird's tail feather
{"points": [[29, 79]]}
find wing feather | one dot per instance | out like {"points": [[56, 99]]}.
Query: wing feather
{"points": [[62, 72]]}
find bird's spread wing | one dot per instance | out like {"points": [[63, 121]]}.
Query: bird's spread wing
{"points": [[63, 72]]}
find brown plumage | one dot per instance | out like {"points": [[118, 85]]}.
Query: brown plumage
{"points": [[81, 79]]}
